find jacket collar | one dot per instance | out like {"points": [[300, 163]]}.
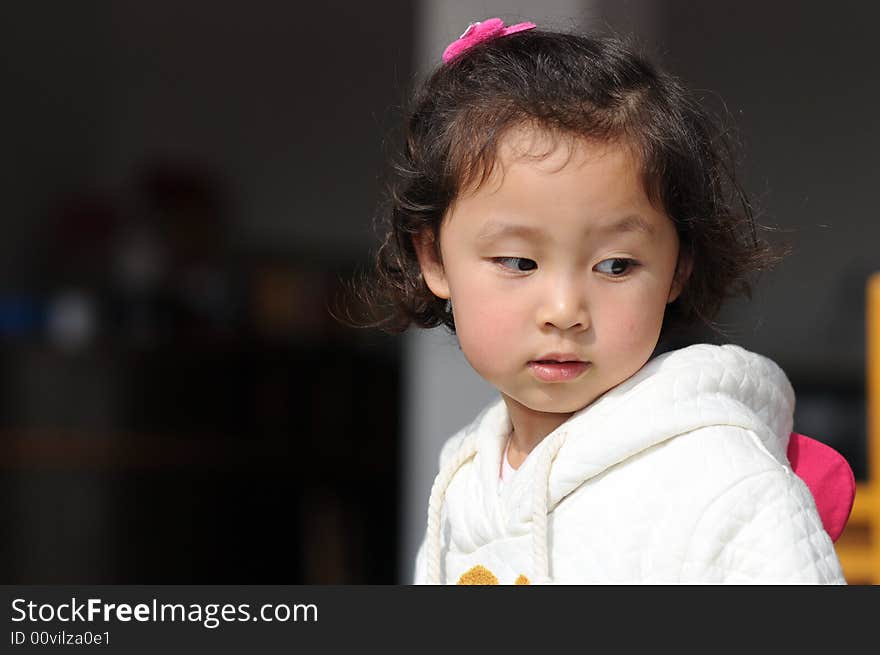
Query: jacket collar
{"points": [[676, 392]]}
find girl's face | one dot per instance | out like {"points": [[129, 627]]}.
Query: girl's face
{"points": [[564, 254]]}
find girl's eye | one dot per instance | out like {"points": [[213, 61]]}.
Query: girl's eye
{"points": [[616, 267], [521, 264]]}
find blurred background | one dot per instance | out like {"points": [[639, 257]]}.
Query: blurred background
{"points": [[186, 188]]}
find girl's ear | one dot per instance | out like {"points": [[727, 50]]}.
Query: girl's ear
{"points": [[682, 274], [432, 268]]}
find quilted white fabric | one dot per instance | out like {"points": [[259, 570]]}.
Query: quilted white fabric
{"points": [[677, 475]]}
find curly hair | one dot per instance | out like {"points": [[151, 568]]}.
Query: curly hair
{"points": [[571, 85]]}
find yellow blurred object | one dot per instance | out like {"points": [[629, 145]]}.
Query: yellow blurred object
{"points": [[859, 545]]}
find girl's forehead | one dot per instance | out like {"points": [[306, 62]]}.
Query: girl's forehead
{"points": [[525, 140], [550, 152], [558, 181], [545, 154]]}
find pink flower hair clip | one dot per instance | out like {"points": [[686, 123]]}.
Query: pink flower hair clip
{"points": [[491, 28]]}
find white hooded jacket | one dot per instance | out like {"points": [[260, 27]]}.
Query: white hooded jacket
{"points": [[677, 475]]}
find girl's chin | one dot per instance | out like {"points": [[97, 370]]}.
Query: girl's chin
{"points": [[549, 405]]}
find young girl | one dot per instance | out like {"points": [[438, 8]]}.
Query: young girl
{"points": [[564, 207]]}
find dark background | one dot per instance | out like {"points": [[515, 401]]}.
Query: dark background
{"points": [[185, 187]]}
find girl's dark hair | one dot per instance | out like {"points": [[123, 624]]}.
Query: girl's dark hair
{"points": [[571, 86]]}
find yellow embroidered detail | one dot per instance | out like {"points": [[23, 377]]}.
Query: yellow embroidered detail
{"points": [[478, 575]]}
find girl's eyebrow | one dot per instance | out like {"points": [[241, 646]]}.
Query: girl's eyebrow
{"points": [[495, 229], [631, 223]]}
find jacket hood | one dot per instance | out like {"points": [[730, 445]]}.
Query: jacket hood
{"points": [[679, 391]]}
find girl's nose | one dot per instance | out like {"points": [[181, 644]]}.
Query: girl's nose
{"points": [[563, 306]]}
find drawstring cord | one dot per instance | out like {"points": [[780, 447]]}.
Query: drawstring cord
{"points": [[539, 508], [464, 453], [438, 491]]}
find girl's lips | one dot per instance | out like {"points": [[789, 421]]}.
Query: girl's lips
{"points": [[557, 371]]}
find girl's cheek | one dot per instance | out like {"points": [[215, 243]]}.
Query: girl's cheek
{"points": [[480, 304], [638, 329], [621, 318], [487, 332]]}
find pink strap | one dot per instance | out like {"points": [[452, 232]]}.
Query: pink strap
{"points": [[829, 478]]}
